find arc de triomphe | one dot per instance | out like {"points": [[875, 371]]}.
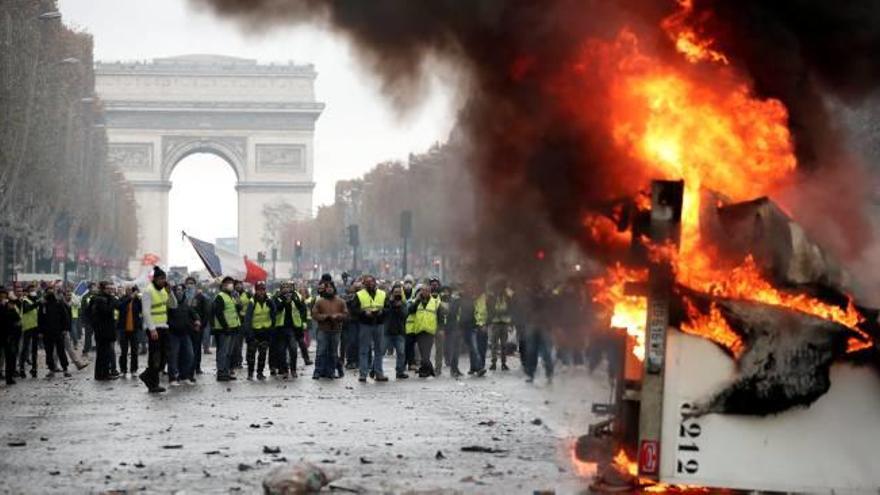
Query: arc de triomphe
{"points": [[258, 118]]}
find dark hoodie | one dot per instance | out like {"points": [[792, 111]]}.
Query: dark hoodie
{"points": [[53, 315], [182, 319]]}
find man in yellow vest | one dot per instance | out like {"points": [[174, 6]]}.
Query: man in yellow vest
{"points": [[29, 307], [369, 309], [426, 311], [155, 302], [227, 324], [260, 318]]}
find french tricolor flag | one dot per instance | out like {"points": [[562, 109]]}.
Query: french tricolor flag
{"points": [[222, 263]]}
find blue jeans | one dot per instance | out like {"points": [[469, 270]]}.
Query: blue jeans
{"points": [[325, 356], [479, 344], [224, 352], [370, 345], [180, 356], [537, 344], [398, 343]]}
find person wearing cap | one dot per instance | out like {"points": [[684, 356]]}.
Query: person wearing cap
{"points": [[101, 307], [370, 308], [227, 323], [260, 318], [156, 301], [10, 332]]}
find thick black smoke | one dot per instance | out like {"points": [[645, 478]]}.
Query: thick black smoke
{"points": [[804, 52], [538, 173]]}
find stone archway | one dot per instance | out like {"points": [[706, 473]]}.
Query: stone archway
{"points": [[258, 118]]}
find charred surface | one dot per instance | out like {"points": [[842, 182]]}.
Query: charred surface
{"points": [[786, 363]]}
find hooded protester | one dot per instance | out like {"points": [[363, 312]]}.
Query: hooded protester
{"points": [[53, 320], [183, 320], [157, 300], [227, 324]]}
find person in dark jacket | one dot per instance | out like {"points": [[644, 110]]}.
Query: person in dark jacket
{"points": [[395, 328], [183, 320], [53, 319], [101, 308], [129, 325], [201, 339], [10, 332]]}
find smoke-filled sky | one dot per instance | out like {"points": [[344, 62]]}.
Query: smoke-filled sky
{"points": [[358, 129]]}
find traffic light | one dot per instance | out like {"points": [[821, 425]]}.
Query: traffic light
{"points": [[261, 257], [298, 249]]}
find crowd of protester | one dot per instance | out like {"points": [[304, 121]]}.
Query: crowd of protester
{"points": [[260, 332]]}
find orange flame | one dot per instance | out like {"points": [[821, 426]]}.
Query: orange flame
{"points": [[627, 311], [687, 41], [713, 327], [712, 134]]}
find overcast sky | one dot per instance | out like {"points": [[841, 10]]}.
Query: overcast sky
{"points": [[357, 129]]}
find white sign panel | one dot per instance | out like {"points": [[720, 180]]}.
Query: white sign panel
{"points": [[831, 447]]}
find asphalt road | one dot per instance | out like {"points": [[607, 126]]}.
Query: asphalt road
{"points": [[82, 436]]}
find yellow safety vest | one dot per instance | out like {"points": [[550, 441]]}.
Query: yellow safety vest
{"points": [[229, 313], [262, 317], [426, 316], [501, 314], [481, 313], [368, 303], [158, 306], [74, 311], [245, 301], [28, 318]]}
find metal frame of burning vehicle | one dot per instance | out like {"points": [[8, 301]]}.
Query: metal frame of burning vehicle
{"points": [[739, 393]]}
